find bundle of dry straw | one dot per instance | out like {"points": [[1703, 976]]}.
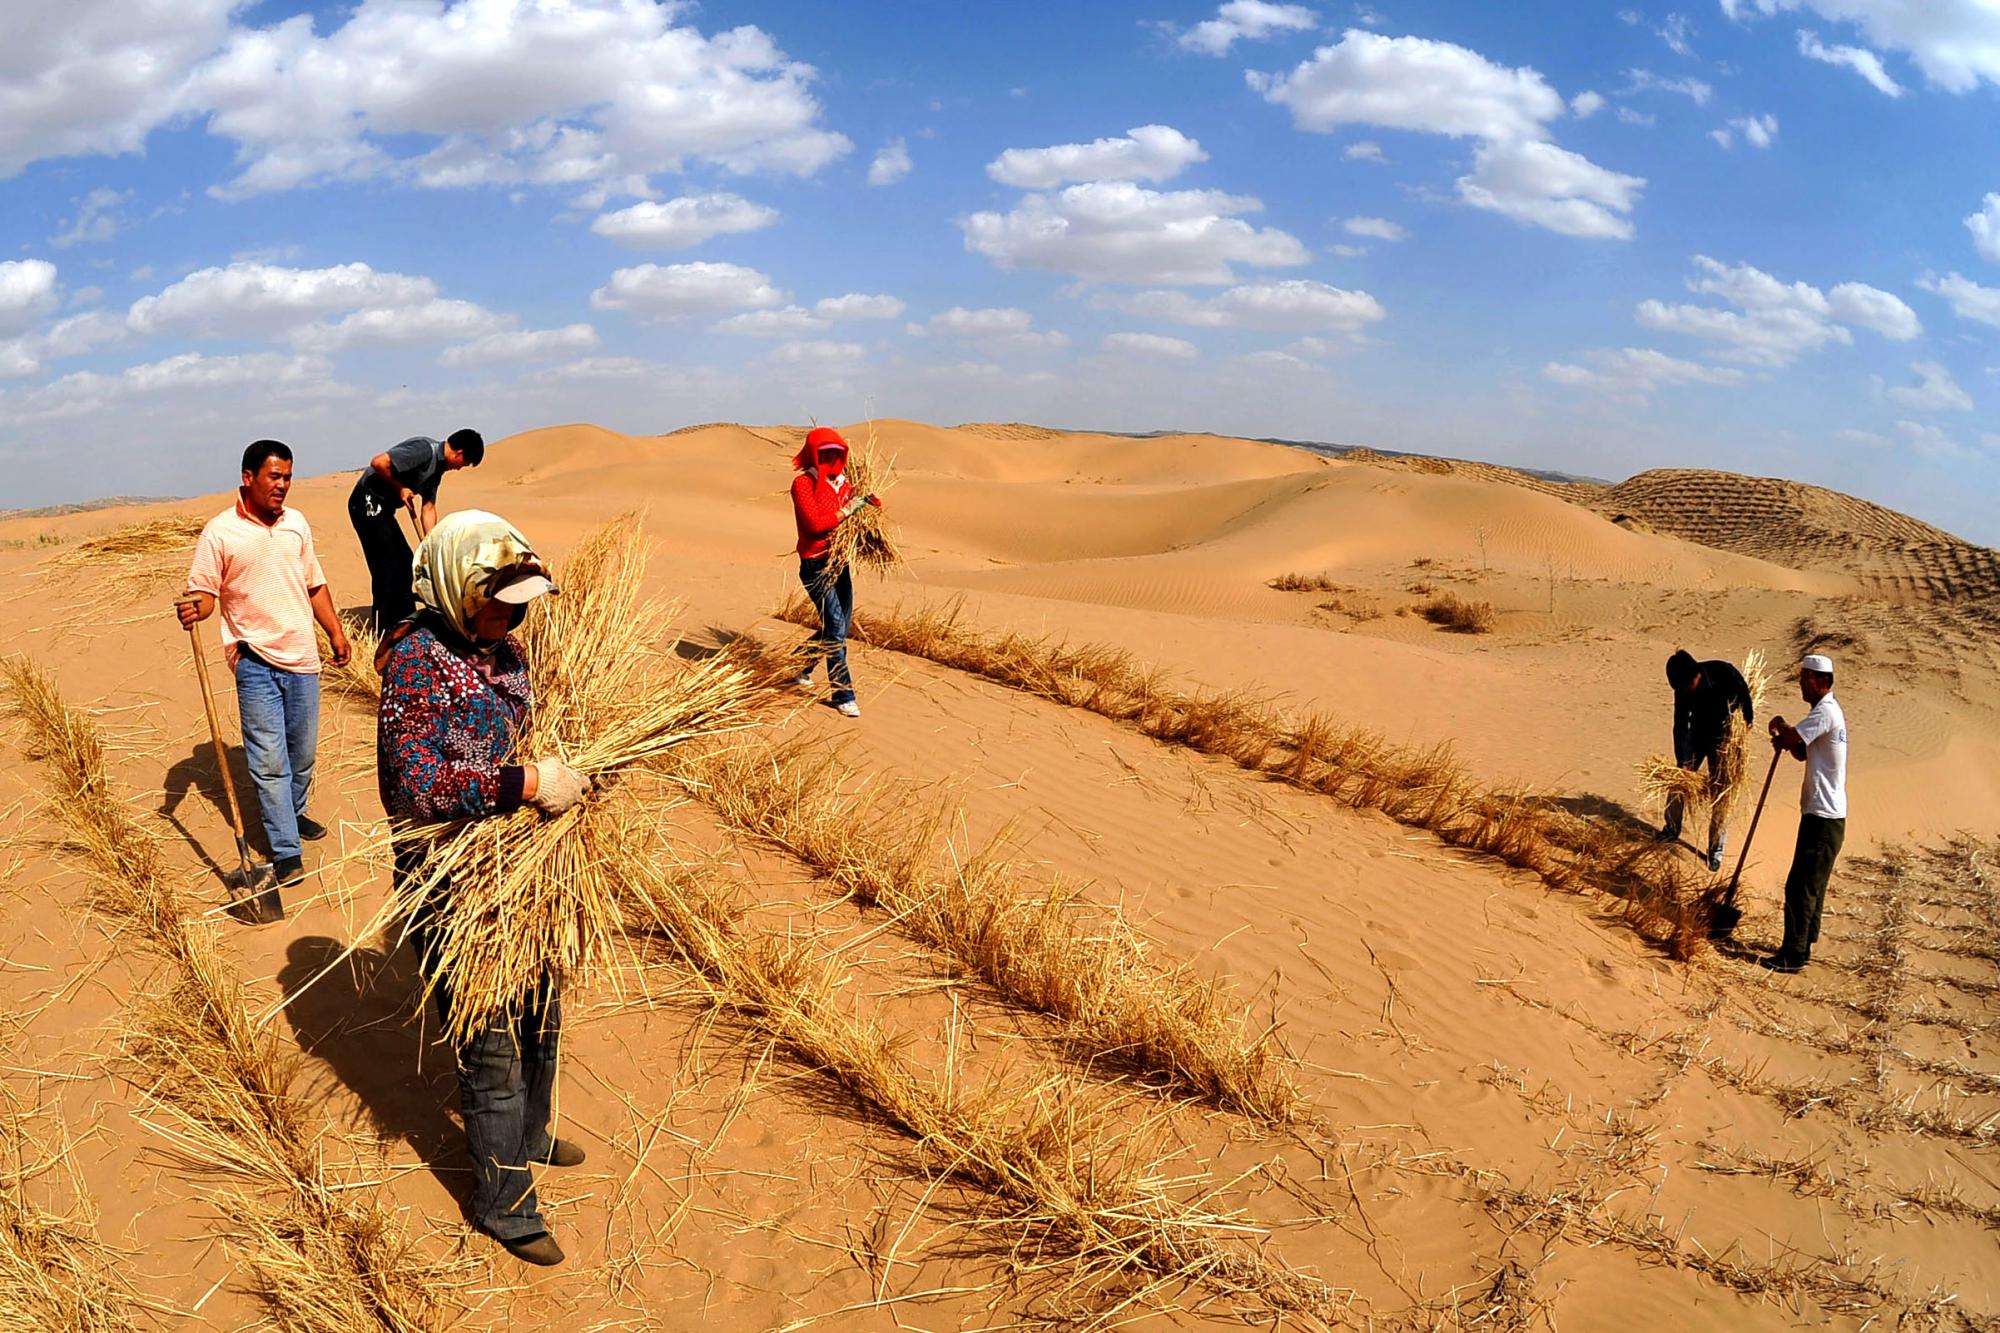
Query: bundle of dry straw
{"points": [[134, 541], [863, 540], [521, 893]]}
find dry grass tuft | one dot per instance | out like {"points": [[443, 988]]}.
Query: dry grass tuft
{"points": [[358, 679], [1041, 947], [528, 893], [864, 540], [130, 544], [1460, 616], [1425, 788], [1093, 1222], [324, 1259], [56, 1276], [1303, 583]]}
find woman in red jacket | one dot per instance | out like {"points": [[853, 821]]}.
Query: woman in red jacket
{"points": [[822, 499]]}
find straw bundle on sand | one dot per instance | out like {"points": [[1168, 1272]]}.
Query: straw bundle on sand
{"points": [[1100, 1215], [358, 679], [133, 542], [320, 1255], [528, 892], [863, 540]]}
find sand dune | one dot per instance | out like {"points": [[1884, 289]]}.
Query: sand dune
{"points": [[1520, 1113]]}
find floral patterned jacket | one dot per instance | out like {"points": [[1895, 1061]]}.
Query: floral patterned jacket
{"points": [[445, 729]]}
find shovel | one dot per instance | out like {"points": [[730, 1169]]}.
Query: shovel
{"points": [[256, 899], [1725, 916]]}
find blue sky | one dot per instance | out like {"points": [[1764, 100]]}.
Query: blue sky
{"points": [[1756, 234]]}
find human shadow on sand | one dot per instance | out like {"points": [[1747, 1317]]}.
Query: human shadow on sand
{"points": [[198, 774], [361, 1019]]}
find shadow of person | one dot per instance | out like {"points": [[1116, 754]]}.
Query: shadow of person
{"points": [[198, 773], [360, 1021]]}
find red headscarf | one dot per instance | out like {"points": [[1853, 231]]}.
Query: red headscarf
{"points": [[817, 439]]}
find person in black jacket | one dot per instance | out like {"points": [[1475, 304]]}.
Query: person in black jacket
{"points": [[1704, 694]]}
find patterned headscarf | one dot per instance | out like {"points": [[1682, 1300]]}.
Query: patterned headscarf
{"points": [[468, 555]]}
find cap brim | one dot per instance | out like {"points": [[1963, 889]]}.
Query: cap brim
{"points": [[524, 589]]}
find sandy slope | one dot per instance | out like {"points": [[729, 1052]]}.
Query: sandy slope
{"points": [[1473, 1044]]}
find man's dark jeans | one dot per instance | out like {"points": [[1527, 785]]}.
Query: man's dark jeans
{"points": [[506, 1086], [388, 553], [834, 599], [1805, 887]]}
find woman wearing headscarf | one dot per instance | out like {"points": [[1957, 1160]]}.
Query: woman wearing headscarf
{"points": [[823, 499], [455, 701]]}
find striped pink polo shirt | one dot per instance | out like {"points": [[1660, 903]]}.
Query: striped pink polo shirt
{"points": [[261, 576]]}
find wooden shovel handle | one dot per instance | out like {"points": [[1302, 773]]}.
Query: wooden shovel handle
{"points": [[1755, 815], [215, 728]]}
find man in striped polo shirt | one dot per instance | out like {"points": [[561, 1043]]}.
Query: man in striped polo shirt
{"points": [[256, 561]]}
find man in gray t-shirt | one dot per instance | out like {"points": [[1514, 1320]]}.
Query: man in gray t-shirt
{"points": [[404, 476]]}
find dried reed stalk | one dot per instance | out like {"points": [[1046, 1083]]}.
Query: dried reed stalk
{"points": [[519, 894], [133, 542], [1041, 947], [1425, 788], [324, 1259], [863, 540], [1662, 782], [358, 679], [56, 1276], [1733, 760], [1097, 1219]]}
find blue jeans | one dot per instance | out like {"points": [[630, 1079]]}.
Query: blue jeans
{"points": [[279, 711], [506, 1080], [834, 599]]}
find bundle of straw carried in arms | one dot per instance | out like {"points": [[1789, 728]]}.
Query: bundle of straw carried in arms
{"points": [[1661, 780], [864, 540], [528, 892]]}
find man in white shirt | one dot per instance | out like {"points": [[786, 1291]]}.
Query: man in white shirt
{"points": [[1820, 739]]}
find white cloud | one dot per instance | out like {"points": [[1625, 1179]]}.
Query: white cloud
{"points": [[1956, 43], [1985, 228], [1148, 344], [1757, 131], [1364, 150], [1145, 153], [676, 291], [97, 76], [27, 292], [24, 356], [191, 370], [858, 305], [591, 369], [1644, 80], [818, 355], [1775, 323], [1968, 299], [484, 93], [1348, 251], [510, 348], [435, 320], [790, 322], [249, 298], [1380, 229], [1675, 33], [891, 163], [1635, 372], [1551, 187], [1007, 328], [1412, 83], [96, 219], [1586, 104], [1934, 391], [679, 223], [1627, 116], [1931, 441], [1298, 305], [1248, 20], [1859, 59], [1114, 231]]}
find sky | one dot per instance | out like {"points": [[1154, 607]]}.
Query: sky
{"points": [[1761, 235]]}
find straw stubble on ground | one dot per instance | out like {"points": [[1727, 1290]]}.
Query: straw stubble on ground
{"points": [[322, 1257]]}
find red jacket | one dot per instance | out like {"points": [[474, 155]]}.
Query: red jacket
{"points": [[816, 501]]}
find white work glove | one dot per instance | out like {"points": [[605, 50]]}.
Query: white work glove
{"points": [[557, 786]]}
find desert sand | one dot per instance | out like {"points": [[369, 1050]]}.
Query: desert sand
{"points": [[1517, 1111]]}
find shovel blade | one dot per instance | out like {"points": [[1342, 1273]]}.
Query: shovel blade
{"points": [[253, 894], [1723, 918]]}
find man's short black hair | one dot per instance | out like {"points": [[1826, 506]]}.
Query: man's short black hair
{"points": [[1682, 669], [470, 443], [254, 456]]}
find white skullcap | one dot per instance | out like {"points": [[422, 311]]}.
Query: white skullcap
{"points": [[1818, 662]]}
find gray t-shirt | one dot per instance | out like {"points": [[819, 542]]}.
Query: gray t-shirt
{"points": [[418, 463]]}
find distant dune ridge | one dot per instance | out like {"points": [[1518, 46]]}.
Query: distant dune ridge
{"points": [[1503, 1107]]}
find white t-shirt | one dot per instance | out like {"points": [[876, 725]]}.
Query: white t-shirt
{"points": [[1824, 730]]}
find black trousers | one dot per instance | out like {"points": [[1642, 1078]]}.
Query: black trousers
{"points": [[1805, 887], [506, 1084], [388, 553]]}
